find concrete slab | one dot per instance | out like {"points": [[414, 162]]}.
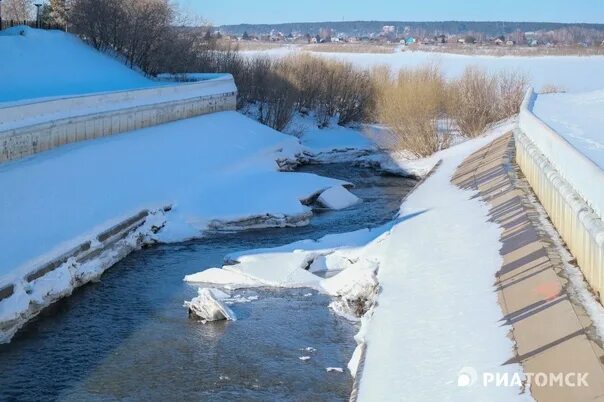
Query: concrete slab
{"points": [[551, 330]]}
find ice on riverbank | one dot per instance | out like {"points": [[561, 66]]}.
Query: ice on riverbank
{"points": [[303, 264]]}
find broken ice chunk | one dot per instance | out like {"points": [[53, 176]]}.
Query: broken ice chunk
{"points": [[208, 306], [337, 198]]}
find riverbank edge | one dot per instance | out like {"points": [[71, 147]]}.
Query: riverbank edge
{"points": [[362, 351]]}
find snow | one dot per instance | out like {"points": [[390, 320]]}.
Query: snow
{"points": [[573, 73], [220, 277], [437, 296], [54, 63], [336, 138], [208, 306], [337, 197], [579, 118], [212, 169], [425, 298]]}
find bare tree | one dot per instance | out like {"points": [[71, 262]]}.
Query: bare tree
{"points": [[144, 32], [18, 10], [58, 11]]}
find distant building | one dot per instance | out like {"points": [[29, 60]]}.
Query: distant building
{"points": [[510, 43], [498, 42], [440, 39]]}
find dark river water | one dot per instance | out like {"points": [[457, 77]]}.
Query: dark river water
{"points": [[128, 338]]}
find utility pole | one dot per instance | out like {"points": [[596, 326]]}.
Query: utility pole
{"points": [[38, 5]]}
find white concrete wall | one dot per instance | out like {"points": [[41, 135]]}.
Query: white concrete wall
{"points": [[32, 127], [582, 173], [569, 187]]}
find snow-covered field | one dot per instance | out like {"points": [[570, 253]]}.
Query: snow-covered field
{"points": [[53, 63], [573, 73], [579, 118], [437, 311]]}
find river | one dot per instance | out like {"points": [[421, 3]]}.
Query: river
{"points": [[127, 337]]}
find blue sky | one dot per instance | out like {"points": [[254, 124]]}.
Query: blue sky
{"points": [[272, 11]]}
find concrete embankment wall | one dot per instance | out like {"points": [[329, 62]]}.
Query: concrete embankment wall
{"points": [[86, 262], [27, 128], [569, 186]]}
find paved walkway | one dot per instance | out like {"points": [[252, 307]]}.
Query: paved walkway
{"points": [[551, 331]]}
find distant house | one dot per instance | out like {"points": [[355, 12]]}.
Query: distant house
{"points": [[499, 42], [440, 39], [533, 42], [510, 43]]}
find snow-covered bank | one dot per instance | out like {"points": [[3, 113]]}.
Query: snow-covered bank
{"points": [[38, 63], [579, 118], [217, 171], [573, 73], [437, 311], [83, 264]]}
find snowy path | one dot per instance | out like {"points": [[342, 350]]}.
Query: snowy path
{"points": [[438, 311], [553, 334]]}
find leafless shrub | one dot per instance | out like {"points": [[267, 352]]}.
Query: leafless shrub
{"points": [[277, 100], [478, 99], [412, 105], [511, 90], [142, 31], [302, 83], [471, 101]]}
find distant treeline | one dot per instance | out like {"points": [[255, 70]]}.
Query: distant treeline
{"points": [[365, 28]]}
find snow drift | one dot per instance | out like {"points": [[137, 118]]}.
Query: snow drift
{"points": [[38, 63]]}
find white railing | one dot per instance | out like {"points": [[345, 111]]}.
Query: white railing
{"points": [[584, 175], [570, 187]]}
